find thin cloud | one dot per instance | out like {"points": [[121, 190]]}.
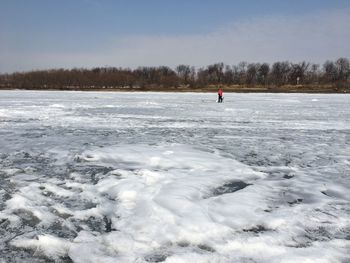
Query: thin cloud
{"points": [[313, 38]]}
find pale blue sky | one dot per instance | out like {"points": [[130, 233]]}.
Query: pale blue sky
{"points": [[37, 34]]}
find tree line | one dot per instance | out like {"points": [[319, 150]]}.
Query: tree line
{"points": [[335, 73]]}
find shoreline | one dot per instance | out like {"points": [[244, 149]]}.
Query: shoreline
{"points": [[211, 89], [247, 90]]}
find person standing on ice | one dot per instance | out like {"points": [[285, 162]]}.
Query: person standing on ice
{"points": [[220, 99]]}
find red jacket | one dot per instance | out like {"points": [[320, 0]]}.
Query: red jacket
{"points": [[220, 92]]}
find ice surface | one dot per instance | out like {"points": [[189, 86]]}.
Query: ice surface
{"points": [[171, 177]]}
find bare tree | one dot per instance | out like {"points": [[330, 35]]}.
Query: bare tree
{"points": [[330, 71], [297, 72], [215, 73], [228, 75], [280, 73], [343, 69], [242, 72], [252, 73], [184, 73], [263, 73]]}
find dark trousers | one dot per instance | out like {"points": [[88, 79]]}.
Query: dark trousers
{"points": [[220, 99]]}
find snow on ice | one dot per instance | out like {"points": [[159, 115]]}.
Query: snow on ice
{"points": [[171, 177]]}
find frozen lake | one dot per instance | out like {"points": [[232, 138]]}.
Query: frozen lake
{"points": [[174, 177]]}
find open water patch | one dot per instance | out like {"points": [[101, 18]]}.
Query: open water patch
{"points": [[229, 187]]}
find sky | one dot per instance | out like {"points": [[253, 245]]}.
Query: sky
{"points": [[42, 34]]}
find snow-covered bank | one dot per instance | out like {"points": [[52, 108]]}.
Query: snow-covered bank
{"points": [[161, 177]]}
